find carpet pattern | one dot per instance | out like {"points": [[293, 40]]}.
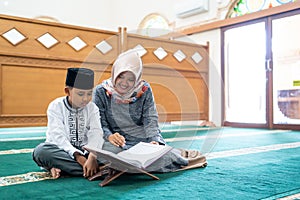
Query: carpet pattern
{"points": [[24, 178]]}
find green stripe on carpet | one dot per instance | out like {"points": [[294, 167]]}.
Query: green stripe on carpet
{"points": [[7, 145], [17, 164]]}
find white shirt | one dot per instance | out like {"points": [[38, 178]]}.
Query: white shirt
{"points": [[70, 129]]}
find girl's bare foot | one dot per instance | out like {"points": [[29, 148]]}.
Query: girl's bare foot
{"points": [[55, 172], [207, 123]]}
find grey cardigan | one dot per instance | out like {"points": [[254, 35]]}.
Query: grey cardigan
{"points": [[136, 121]]}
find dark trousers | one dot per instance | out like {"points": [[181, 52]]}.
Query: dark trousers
{"points": [[48, 155]]}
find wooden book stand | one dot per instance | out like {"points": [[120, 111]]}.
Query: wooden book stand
{"points": [[112, 174], [115, 168]]}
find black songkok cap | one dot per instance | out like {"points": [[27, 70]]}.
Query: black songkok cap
{"points": [[81, 78]]}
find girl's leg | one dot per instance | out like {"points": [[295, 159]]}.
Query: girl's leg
{"points": [[169, 162], [110, 147]]}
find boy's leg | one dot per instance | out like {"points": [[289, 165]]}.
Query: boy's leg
{"points": [[50, 156]]}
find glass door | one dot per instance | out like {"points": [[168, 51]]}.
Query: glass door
{"points": [[245, 74], [261, 72], [286, 70]]}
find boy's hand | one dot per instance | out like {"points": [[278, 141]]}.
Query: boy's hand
{"points": [[90, 167]]}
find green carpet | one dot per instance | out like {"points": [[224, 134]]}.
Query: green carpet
{"points": [[234, 171]]}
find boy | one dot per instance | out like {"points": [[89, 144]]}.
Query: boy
{"points": [[73, 121]]}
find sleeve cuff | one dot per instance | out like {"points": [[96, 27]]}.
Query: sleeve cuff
{"points": [[71, 153]]}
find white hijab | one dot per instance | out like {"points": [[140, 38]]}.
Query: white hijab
{"points": [[126, 61]]}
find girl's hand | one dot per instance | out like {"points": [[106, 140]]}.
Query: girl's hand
{"points": [[154, 142], [117, 140]]}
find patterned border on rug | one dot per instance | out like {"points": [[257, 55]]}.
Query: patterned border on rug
{"points": [[24, 178], [292, 197], [15, 151]]}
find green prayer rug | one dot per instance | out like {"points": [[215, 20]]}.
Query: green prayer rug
{"points": [[242, 164]]}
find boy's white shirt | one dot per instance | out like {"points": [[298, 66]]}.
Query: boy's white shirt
{"points": [[58, 129]]}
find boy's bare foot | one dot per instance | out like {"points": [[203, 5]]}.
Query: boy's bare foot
{"points": [[55, 172]]}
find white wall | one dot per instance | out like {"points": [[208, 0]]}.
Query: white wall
{"points": [[101, 14], [130, 13], [95, 13]]}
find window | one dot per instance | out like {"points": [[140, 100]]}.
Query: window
{"points": [[154, 25], [242, 7]]}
